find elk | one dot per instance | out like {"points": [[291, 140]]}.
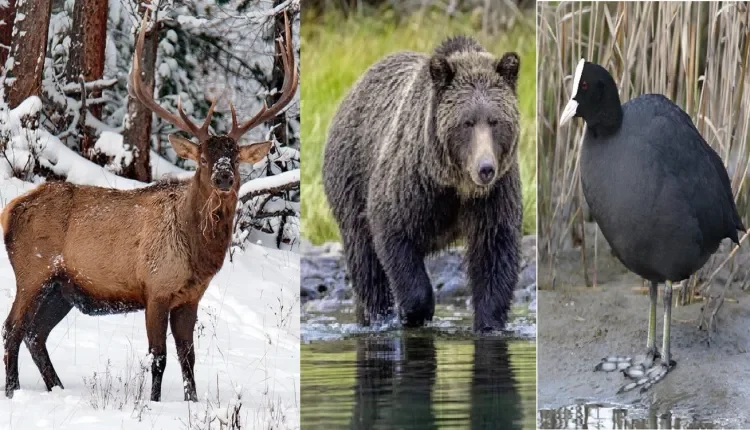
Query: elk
{"points": [[106, 251]]}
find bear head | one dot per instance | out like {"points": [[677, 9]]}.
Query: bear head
{"points": [[476, 114]]}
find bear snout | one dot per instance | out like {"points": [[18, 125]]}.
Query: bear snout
{"points": [[483, 164], [486, 172]]}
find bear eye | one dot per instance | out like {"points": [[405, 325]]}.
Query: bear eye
{"points": [[469, 123], [492, 122]]}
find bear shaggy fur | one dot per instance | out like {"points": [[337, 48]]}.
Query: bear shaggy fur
{"points": [[423, 152]]}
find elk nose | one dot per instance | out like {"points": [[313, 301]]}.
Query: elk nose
{"points": [[486, 172], [223, 180]]}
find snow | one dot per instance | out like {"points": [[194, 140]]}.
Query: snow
{"points": [[111, 144], [270, 182], [191, 21], [164, 69], [30, 106], [53, 154], [247, 350], [161, 167]]}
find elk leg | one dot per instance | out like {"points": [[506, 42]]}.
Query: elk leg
{"points": [[13, 333], [52, 310], [182, 320], [157, 316]]}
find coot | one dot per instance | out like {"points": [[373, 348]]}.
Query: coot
{"points": [[659, 193]]}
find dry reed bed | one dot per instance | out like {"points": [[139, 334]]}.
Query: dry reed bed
{"points": [[695, 53]]}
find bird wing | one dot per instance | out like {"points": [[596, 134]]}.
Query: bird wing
{"points": [[696, 170]]}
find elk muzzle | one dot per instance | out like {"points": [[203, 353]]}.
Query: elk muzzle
{"points": [[222, 175]]}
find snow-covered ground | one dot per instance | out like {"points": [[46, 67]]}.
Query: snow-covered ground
{"points": [[247, 346]]}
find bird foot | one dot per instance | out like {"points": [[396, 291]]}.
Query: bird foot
{"points": [[645, 378], [643, 370], [624, 363]]}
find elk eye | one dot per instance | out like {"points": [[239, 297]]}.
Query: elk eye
{"points": [[204, 161]]}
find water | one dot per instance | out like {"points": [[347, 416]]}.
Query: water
{"points": [[603, 416], [439, 377]]}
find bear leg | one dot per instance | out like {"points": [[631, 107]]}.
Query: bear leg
{"points": [[404, 265], [373, 296], [493, 263]]}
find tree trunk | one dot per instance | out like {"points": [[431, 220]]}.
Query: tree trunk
{"points": [[137, 127], [86, 59], [7, 16], [281, 131], [277, 77], [29, 48]]}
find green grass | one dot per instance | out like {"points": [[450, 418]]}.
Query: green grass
{"points": [[336, 51]]}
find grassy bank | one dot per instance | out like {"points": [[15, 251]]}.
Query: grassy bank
{"points": [[336, 51]]}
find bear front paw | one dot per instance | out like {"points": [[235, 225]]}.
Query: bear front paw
{"points": [[417, 312], [488, 325]]}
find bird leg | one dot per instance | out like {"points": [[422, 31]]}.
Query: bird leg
{"points": [[639, 364], [647, 377], [651, 349], [643, 369]]}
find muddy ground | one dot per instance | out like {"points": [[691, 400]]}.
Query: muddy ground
{"points": [[579, 325]]}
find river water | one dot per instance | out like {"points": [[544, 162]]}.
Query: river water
{"points": [[438, 377]]}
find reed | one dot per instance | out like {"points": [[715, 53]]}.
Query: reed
{"points": [[695, 53]]}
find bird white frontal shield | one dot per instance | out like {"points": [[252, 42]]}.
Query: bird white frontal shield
{"points": [[572, 106]]}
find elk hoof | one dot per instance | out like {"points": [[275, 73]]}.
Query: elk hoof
{"points": [[11, 389]]}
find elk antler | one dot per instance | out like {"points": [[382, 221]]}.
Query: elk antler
{"points": [[138, 90], [288, 89]]}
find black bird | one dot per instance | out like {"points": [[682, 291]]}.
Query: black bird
{"points": [[659, 193]]}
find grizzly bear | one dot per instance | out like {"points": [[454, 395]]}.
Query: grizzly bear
{"points": [[422, 152]]}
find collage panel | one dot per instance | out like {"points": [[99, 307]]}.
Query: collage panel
{"points": [[150, 197], [418, 266], [644, 115]]}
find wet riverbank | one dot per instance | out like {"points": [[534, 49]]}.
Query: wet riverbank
{"points": [[707, 389]]}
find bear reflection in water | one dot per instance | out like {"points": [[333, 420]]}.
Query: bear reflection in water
{"points": [[398, 386]]}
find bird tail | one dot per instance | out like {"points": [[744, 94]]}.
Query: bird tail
{"points": [[737, 221]]}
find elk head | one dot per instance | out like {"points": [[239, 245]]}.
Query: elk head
{"points": [[217, 156]]}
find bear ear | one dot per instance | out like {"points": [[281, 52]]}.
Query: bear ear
{"points": [[508, 66], [441, 71]]}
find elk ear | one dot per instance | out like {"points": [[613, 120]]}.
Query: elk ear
{"points": [[185, 148], [254, 152], [508, 67]]}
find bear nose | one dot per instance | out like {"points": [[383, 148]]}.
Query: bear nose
{"points": [[223, 180], [486, 172]]}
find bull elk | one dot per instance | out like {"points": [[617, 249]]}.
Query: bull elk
{"points": [[169, 240]]}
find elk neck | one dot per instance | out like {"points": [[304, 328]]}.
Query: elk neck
{"points": [[209, 216]]}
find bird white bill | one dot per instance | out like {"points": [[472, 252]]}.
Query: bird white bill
{"points": [[569, 111]]}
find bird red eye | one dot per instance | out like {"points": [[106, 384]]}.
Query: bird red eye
{"points": [[584, 85]]}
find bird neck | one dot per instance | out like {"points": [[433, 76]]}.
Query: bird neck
{"points": [[607, 119]]}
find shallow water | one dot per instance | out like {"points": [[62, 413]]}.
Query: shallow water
{"points": [[441, 376], [602, 416]]}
